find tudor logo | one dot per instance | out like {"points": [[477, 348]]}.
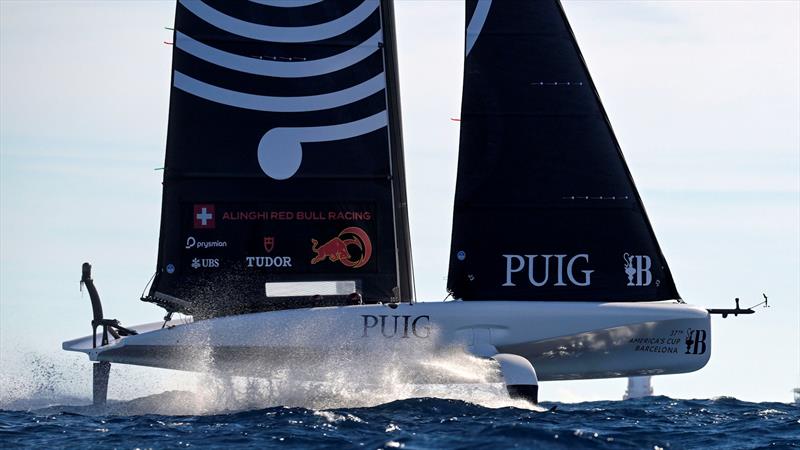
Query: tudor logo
{"points": [[637, 267], [204, 217], [351, 247], [553, 270], [207, 263], [268, 261], [269, 243]]}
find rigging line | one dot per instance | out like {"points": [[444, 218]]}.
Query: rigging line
{"points": [[765, 302], [148, 284]]}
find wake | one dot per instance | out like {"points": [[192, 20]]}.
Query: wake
{"points": [[62, 382]]}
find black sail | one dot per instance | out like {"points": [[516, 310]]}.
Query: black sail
{"points": [[284, 156], [545, 207]]}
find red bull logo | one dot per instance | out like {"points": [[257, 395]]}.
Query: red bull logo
{"points": [[351, 247]]}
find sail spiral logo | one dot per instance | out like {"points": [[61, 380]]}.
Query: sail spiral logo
{"points": [[291, 120]]}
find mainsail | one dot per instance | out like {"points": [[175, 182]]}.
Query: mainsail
{"points": [[284, 160], [545, 207]]}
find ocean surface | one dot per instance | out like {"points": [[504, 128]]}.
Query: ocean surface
{"points": [[650, 423]]}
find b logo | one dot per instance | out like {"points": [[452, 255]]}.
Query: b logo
{"points": [[637, 267], [695, 342]]}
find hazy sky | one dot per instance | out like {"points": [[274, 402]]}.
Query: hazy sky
{"points": [[704, 98]]}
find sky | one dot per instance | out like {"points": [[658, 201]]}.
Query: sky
{"points": [[704, 97]]}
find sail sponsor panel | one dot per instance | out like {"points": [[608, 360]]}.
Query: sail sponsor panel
{"points": [[224, 269], [558, 254], [318, 238], [564, 273], [563, 270]]}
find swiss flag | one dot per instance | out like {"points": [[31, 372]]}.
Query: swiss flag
{"points": [[204, 216]]}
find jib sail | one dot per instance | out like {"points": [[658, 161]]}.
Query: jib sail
{"points": [[545, 207], [284, 157]]}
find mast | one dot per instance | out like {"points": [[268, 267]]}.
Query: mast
{"points": [[283, 177], [405, 265], [545, 206]]}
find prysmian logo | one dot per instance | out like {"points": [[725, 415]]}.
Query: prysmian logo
{"points": [[191, 242], [206, 263]]}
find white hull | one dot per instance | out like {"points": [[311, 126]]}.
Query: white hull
{"points": [[563, 340]]}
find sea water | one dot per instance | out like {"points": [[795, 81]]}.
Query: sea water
{"points": [[45, 405], [650, 423]]}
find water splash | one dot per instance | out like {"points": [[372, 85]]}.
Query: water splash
{"points": [[368, 376]]}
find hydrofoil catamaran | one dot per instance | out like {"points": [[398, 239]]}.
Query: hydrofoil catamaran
{"points": [[284, 224]]}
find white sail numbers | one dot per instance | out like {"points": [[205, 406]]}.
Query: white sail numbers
{"points": [[562, 272]]}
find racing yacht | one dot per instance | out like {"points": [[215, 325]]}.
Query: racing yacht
{"points": [[284, 225]]}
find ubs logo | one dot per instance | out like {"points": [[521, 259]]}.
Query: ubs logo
{"points": [[542, 267], [637, 267], [391, 326], [208, 263], [695, 342]]}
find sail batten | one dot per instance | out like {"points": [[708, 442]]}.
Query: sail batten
{"points": [[281, 158], [545, 207]]}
